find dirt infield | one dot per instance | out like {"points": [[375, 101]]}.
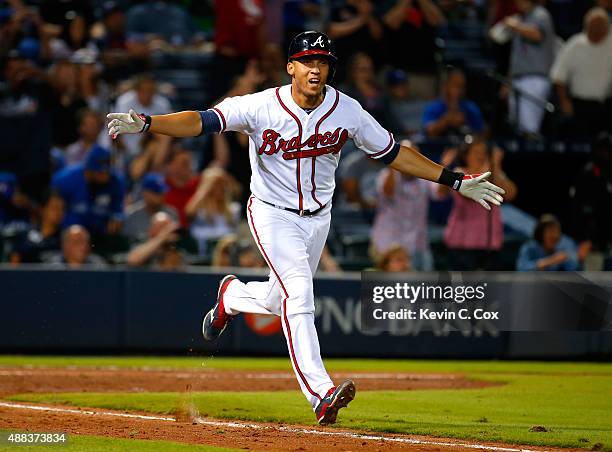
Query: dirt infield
{"points": [[192, 429]]}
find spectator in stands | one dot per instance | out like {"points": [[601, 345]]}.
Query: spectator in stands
{"points": [[90, 125], [139, 214], [92, 90], [26, 99], [413, 21], [354, 27], [162, 23], [548, 250], [182, 182], [152, 158], [67, 102], [145, 99], [402, 213], [498, 10], [117, 55], [394, 259], [452, 114], [160, 250], [533, 52], [582, 74], [22, 28], [24, 90], [75, 36], [361, 84], [76, 250], [406, 113], [239, 37], [591, 196], [473, 235], [211, 210], [44, 237], [93, 193]]}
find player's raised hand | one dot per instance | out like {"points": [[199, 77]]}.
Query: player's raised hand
{"points": [[478, 188], [130, 122]]}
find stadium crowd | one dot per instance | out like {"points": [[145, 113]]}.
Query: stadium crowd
{"points": [[473, 84]]}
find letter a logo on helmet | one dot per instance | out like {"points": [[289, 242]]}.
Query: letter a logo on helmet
{"points": [[318, 42], [311, 43]]}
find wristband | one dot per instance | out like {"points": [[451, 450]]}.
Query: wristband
{"points": [[147, 122], [451, 179]]}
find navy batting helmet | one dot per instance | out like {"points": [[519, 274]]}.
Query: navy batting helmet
{"points": [[314, 43], [311, 43]]}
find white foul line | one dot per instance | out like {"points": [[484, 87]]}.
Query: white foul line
{"points": [[88, 412], [244, 425]]}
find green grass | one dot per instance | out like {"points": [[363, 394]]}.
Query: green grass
{"points": [[355, 365], [102, 444], [572, 400]]}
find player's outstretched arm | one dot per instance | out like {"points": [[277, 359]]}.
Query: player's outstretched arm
{"points": [[181, 124], [474, 186]]}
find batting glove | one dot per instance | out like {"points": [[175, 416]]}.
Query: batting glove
{"points": [[130, 122], [476, 187]]}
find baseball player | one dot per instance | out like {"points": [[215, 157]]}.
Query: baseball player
{"points": [[296, 133]]}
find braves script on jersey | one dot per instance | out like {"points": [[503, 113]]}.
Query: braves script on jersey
{"points": [[294, 154]]}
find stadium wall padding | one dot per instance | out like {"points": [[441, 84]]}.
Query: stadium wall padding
{"points": [[61, 311]]}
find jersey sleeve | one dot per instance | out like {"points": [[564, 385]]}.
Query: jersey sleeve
{"points": [[237, 114], [374, 139]]}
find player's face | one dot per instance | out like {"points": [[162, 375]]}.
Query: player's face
{"points": [[310, 74]]}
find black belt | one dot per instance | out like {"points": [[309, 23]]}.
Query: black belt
{"points": [[301, 213]]}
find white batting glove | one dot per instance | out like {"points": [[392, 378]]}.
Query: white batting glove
{"points": [[476, 187], [130, 122]]}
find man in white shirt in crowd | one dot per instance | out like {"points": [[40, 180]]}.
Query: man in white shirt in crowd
{"points": [[582, 75], [143, 98]]}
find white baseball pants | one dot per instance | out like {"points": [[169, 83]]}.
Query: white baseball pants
{"points": [[292, 246]]}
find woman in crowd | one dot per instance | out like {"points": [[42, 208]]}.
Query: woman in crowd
{"points": [[550, 250], [473, 235]]}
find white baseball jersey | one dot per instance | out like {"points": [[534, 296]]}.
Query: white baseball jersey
{"points": [[293, 154]]}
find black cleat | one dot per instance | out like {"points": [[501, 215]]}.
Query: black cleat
{"points": [[217, 319], [336, 398]]}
